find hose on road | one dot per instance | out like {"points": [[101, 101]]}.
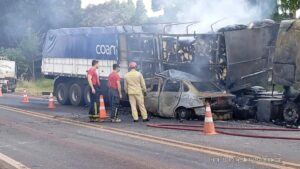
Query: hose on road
{"points": [[219, 129]]}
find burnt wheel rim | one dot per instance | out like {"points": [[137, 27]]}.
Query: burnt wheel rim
{"points": [[291, 115]]}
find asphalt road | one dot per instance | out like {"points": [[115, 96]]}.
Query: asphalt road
{"points": [[51, 144]]}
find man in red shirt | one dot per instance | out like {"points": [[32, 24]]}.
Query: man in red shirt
{"points": [[114, 92], [94, 83]]}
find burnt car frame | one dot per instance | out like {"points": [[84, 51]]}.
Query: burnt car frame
{"points": [[176, 94]]}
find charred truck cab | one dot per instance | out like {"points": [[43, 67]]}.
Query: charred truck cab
{"points": [[286, 68], [236, 58], [246, 69]]}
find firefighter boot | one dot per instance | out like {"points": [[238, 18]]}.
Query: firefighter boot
{"points": [[116, 119]]}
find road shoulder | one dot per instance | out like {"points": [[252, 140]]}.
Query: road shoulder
{"points": [[9, 163]]}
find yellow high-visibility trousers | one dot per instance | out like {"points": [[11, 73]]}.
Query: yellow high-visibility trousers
{"points": [[137, 100]]}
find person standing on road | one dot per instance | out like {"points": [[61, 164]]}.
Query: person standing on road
{"points": [[136, 89], [114, 93], [94, 83]]}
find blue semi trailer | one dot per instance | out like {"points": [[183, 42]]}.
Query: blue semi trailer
{"points": [[68, 53]]}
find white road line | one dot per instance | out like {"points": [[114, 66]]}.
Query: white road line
{"points": [[15, 164]]}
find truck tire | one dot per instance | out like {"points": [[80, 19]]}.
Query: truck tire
{"points": [[86, 95], [75, 95], [62, 94]]}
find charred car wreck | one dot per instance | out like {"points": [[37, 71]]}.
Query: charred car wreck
{"points": [[173, 93]]}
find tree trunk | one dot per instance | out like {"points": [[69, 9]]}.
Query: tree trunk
{"points": [[294, 14]]}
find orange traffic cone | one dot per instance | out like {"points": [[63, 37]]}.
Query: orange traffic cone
{"points": [[102, 111], [25, 97], [209, 127], [51, 104]]}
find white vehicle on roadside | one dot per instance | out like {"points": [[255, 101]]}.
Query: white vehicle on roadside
{"points": [[8, 77]]}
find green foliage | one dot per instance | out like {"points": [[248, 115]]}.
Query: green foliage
{"points": [[16, 55], [29, 46], [109, 13], [171, 8], [140, 15], [289, 8], [24, 23], [12, 53], [18, 17]]}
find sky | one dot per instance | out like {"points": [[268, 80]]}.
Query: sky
{"points": [[150, 13]]}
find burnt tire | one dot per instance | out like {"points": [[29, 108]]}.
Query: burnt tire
{"points": [[76, 95], [86, 95], [183, 114], [62, 94], [291, 113]]}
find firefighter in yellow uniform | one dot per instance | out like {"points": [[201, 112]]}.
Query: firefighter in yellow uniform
{"points": [[135, 88]]}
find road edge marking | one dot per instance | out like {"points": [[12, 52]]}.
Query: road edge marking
{"points": [[11, 162], [160, 140]]}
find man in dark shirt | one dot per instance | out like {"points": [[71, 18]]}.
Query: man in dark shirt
{"points": [[94, 83], [115, 93]]}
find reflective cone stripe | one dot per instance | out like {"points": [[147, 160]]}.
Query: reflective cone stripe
{"points": [[209, 127], [25, 98], [51, 104], [102, 110], [207, 108], [208, 119]]}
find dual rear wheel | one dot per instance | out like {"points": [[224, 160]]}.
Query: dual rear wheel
{"points": [[74, 94]]}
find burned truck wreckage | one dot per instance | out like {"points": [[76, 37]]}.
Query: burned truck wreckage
{"points": [[236, 59]]}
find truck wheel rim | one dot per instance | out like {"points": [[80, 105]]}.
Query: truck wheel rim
{"points": [[75, 95], [60, 94]]}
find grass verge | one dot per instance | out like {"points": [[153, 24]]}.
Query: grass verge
{"points": [[35, 87]]}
